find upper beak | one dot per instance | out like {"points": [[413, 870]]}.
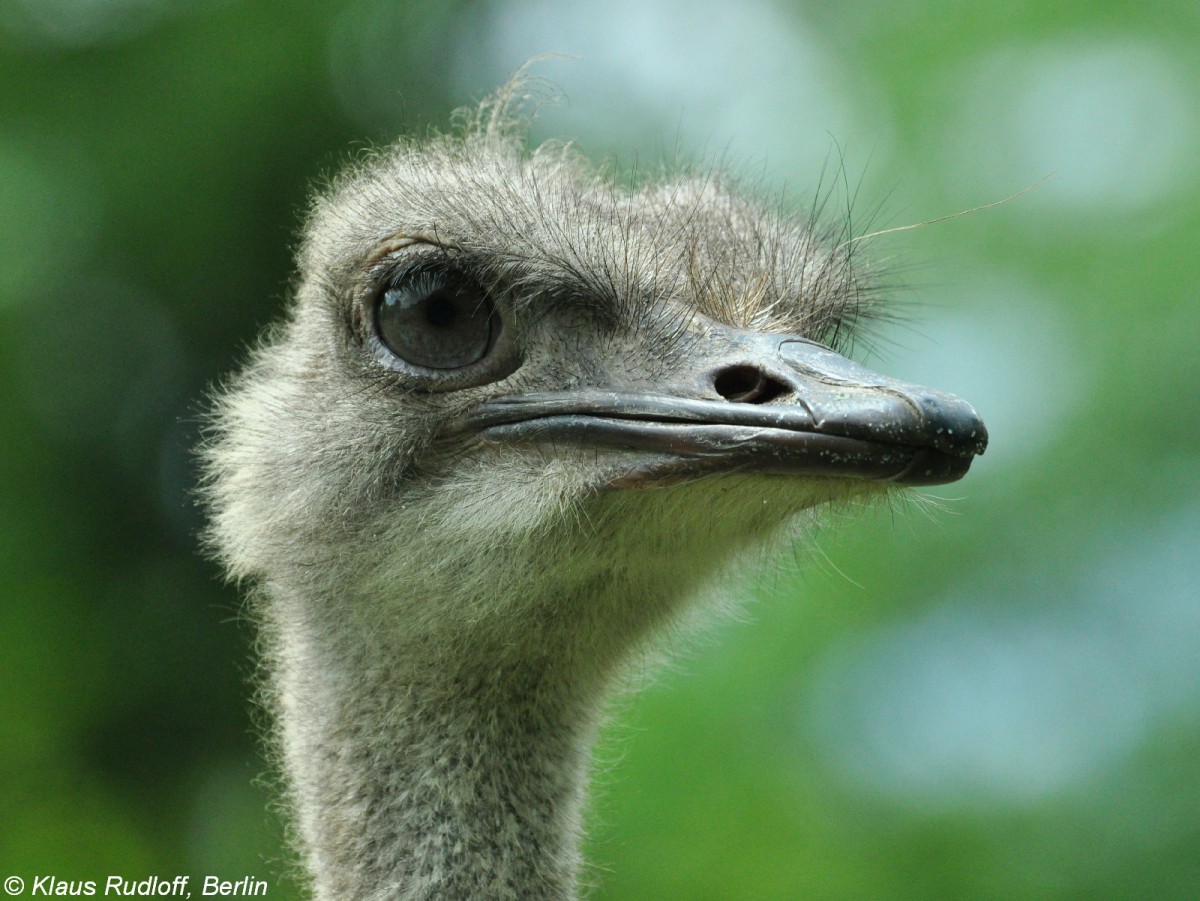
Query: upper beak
{"points": [[759, 403]]}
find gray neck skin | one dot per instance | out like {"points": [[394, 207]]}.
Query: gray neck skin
{"points": [[437, 726], [422, 774]]}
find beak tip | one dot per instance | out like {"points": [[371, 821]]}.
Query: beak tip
{"points": [[956, 427]]}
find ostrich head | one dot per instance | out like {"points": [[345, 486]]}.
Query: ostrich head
{"points": [[515, 418]]}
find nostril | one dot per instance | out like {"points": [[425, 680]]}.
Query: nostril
{"points": [[747, 385], [738, 383]]}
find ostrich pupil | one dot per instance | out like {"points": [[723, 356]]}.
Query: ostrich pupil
{"points": [[440, 311]]}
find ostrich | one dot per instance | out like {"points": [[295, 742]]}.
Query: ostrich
{"points": [[517, 416]]}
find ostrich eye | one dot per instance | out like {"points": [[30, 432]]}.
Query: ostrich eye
{"points": [[435, 320]]}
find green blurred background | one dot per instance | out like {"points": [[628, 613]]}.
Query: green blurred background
{"points": [[995, 696]]}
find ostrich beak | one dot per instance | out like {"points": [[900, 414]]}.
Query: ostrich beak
{"points": [[762, 403]]}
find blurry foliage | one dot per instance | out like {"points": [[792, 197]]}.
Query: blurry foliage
{"points": [[154, 165]]}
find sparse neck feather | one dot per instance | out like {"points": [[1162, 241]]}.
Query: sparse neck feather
{"points": [[419, 774]]}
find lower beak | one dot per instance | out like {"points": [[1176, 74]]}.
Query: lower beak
{"points": [[770, 404]]}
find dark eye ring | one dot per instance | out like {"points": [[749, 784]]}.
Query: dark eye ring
{"points": [[435, 319]]}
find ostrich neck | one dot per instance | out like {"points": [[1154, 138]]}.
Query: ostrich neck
{"points": [[425, 771]]}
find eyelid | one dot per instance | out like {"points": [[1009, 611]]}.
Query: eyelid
{"points": [[401, 243], [399, 269], [391, 259]]}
